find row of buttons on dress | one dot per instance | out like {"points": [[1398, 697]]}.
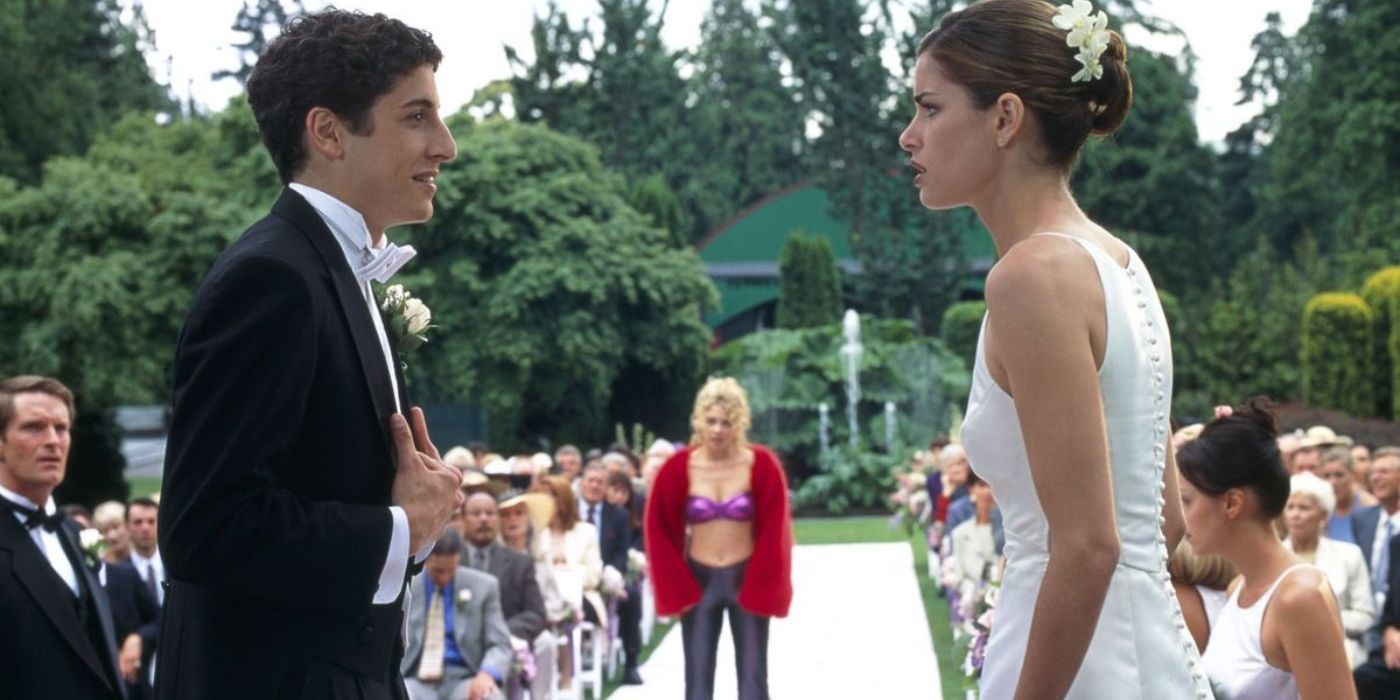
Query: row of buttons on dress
{"points": [[1160, 465]]}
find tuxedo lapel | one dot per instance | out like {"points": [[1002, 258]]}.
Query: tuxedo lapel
{"points": [[68, 534], [32, 569], [292, 207]]}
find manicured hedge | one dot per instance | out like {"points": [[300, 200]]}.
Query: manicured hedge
{"points": [[1336, 353], [1382, 294], [959, 328]]}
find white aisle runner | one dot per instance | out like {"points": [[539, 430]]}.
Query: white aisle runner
{"points": [[857, 630]]}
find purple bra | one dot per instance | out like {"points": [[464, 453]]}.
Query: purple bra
{"points": [[699, 509]]}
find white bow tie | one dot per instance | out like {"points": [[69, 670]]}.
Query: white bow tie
{"points": [[384, 262]]}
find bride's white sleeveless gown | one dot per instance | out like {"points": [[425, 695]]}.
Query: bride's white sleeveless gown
{"points": [[1141, 648]]}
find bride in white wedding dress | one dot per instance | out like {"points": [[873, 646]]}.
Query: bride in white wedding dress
{"points": [[1072, 384]]}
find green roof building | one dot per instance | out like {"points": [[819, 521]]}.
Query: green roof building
{"points": [[741, 255]]}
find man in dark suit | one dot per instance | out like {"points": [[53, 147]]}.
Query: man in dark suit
{"points": [[1379, 677], [136, 622], [297, 498], [56, 634], [521, 601], [614, 539]]}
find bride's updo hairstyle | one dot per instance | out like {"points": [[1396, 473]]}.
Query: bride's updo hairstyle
{"points": [[994, 47], [1239, 451]]}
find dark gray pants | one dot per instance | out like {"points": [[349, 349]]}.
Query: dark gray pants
{"points": [[700, 628]]}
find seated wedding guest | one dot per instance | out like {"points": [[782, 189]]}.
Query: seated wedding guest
{"points": [[569, 462], [1361, 466], [1280, 633], [629, 610], [110, 519], [1377, 525], [1309, 503], [457, 642], [1379, 677], [570, 547], [1201, 584], [56, 633], [952, 483], [719, 542], [657, 454], [972, 563], [1337, 470], [135, 625], [521, 601], [522, 516], [79, 514], [145, 557], [461, 458]]}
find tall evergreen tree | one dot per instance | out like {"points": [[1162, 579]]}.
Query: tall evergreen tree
{"points": [[261, 21], [809, 283], [748, 119], [72, 67]]}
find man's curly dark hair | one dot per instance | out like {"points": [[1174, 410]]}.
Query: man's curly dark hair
{"points": [[342, 61]]}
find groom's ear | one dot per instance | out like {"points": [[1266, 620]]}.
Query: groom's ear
{"points": [[325, 133]]}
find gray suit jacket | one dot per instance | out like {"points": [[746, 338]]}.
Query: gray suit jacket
{"points": [[478, 626], [521, 601]]}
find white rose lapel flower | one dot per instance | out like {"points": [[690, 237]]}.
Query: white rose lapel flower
{"points": [[464, 596], [406, 318], [1088, 32], [93, 545]]}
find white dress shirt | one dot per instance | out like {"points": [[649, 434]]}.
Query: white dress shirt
{"points": [[147, 567], [352, 235], [47, 542], [1379, 543]]}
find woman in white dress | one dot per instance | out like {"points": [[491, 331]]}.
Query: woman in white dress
{"points": [[1068, 415], [1279, 636], [1310, 504]]}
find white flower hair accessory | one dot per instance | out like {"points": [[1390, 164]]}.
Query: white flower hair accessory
{"points": [[1088, 33]]}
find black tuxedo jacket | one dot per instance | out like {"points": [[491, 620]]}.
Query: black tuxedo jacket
{"points": [[134, 611], [45, 649], [274, 512], [521, 602]]}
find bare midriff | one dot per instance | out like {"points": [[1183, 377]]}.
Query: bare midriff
{"points": [[720, 542]]}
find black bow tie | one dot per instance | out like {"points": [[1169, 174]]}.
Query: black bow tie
{"points": [[34, 518]]}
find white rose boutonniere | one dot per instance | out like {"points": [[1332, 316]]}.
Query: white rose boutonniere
{"points": [[464, 596], [94, 545], [406, 318]]}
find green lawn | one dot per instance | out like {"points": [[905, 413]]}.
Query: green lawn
{"points": [[876, 529], [144, 486]]}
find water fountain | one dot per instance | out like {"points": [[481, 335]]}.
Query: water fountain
{"points": [[890, 426], [825, 413], [850, 352]]}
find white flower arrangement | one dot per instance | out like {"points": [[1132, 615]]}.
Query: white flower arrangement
{"points": [[407, 318], [1088, 33], [464, 596], [93, 545]]}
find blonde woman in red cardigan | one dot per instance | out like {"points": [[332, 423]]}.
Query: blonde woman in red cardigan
{"points": [[719, 539]]}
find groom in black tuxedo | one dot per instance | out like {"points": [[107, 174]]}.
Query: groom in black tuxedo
{"points": [[300, 491], [56, 634]]}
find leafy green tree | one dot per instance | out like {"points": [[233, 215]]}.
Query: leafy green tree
{"points": [[113, 244], [71, 68], [960, 327], [261, 21], [809, 283], [561, 309]]}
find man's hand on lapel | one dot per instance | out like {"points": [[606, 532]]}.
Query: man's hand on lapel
{"points": [[425, 487]]}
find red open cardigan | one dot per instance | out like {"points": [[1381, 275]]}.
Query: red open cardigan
{"points": [[767, 588]]}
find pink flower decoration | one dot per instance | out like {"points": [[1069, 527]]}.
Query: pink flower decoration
{"points": [[1224, 411]]}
